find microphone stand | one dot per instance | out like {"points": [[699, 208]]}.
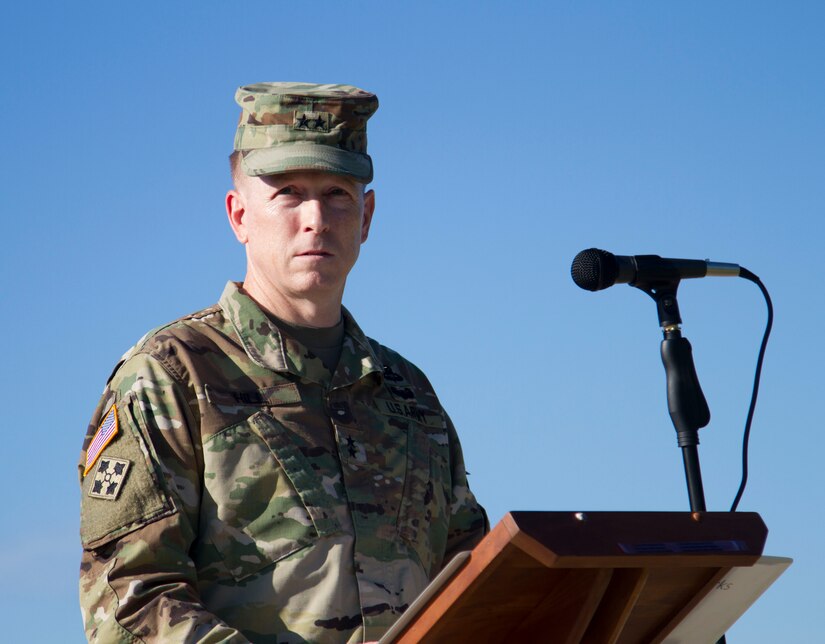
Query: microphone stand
{"points": [[685, 401]]}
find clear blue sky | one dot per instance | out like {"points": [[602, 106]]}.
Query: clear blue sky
{"points": [[510, 136]]}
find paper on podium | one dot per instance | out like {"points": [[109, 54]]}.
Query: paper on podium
{"points": [[727, 602]]}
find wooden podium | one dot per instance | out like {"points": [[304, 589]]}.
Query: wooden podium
{"points": [[569, 577]]}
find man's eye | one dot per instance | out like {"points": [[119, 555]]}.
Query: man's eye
{"points": [[286, 190]]}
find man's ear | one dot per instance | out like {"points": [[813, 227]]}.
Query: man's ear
{"points": [[235, 210], [369, 208]]}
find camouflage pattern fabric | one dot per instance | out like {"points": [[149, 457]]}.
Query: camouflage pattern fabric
{"points": [[250, 494], [286, 127]]}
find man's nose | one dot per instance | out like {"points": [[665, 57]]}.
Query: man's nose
{"points": [[314, 216]]}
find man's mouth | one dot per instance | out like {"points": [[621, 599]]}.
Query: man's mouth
{"points": [[315, 253]]}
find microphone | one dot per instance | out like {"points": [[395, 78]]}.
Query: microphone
{"points": [[594, 269]]}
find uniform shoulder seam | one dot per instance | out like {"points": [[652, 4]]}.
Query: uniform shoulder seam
{"points": [[181, 322], [147, 346]]}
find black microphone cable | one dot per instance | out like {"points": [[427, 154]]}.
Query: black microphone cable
{"points": [[746, 274]]}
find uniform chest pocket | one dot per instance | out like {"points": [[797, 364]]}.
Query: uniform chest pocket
{"points": [[262, 500], [425, 511]]}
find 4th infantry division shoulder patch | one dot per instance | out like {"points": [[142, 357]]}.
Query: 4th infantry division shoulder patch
{"points": [[106, 431], [109, 478]]}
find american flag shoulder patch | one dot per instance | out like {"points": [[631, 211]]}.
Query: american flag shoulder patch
{"points": [[103, 436]]}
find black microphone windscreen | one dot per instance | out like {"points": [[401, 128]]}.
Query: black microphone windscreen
{"points": [[594, 269]]}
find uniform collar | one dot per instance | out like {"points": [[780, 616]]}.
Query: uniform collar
{"points": [[358, 359], [268, 347]]}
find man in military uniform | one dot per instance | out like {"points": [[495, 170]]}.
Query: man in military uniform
{"points": [[261, 470]]}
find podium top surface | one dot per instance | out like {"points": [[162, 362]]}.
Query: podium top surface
{"points": [[620, 538]]}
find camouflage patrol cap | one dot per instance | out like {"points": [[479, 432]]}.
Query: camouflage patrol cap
{"points": [[286, 127]]}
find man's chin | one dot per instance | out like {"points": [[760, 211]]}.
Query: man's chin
{"points": [[317, 283]]}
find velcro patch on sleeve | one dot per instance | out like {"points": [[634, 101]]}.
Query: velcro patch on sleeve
{"points": [[125, 492]]}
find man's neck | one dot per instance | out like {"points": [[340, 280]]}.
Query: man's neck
{"points": [[306, 312]]}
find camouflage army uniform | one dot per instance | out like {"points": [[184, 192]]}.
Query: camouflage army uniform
{"points": [[249, 494]]}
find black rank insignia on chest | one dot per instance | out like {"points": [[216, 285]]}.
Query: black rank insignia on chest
{"points": [[109, 478]]}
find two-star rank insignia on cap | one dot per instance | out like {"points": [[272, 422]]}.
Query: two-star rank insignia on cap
{"points": [[109, 478], [312, 121], [103, 436]]}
